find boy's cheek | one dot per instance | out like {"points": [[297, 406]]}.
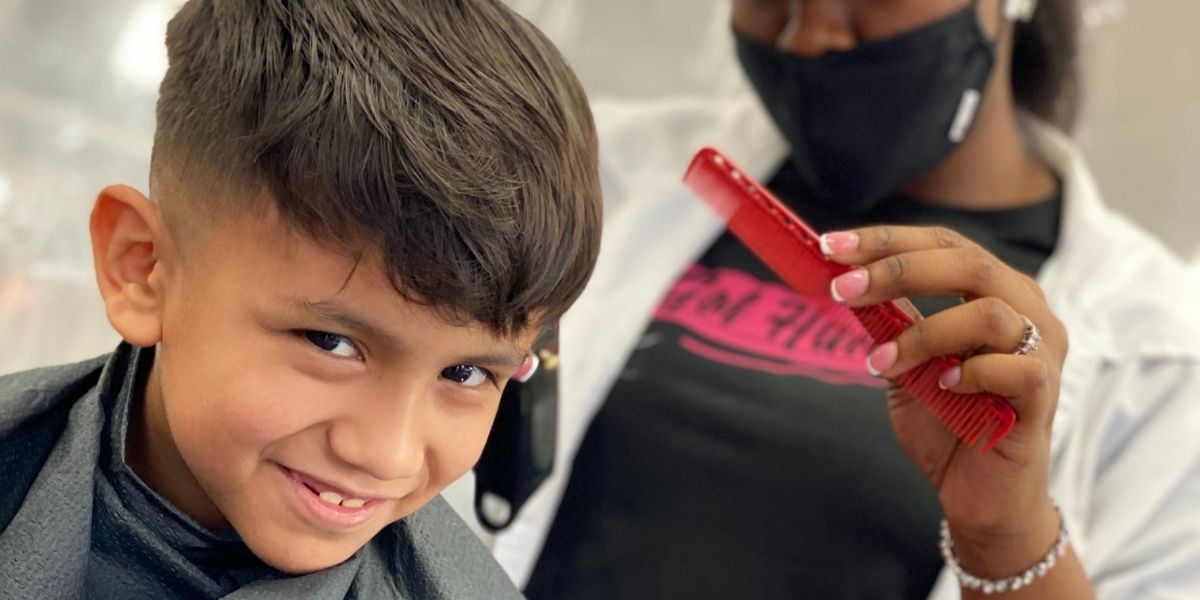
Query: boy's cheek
{"points": [[226, 421], [245, 404], [455, 447]]}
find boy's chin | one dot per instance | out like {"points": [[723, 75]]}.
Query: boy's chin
{"points": [[296, 556]]}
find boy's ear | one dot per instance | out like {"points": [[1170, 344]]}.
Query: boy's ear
{"points": [[127, 238]]}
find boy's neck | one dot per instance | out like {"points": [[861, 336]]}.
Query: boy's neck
{"points": [[151, 453]]}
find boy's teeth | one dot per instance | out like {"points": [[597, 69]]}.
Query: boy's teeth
{"points": [[336, 498]]}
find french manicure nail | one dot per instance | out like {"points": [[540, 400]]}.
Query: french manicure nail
{"points": [[849, 286], [838, 242], [950, 378], [882, 358]]}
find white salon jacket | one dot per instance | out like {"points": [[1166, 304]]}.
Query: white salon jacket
{"points": [[1126, 441]]}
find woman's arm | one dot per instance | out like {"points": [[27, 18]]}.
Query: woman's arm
{"points": [[997, 504], [1004, 558]]}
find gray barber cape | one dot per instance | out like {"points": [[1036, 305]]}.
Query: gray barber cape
{"points": [[76, 522]]}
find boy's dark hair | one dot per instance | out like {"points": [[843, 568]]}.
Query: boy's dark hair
{"points": [[447, 138], [1045, 66]]}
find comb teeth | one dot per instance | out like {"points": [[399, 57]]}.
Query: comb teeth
{"points": [[971, 417], [791, 249]]}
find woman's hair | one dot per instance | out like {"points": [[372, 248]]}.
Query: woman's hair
{"points": [[1045, 69]]}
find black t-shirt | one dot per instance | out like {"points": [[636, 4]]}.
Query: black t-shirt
{"points": [[744, 452]]}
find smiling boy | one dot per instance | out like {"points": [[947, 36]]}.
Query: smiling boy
{"points": [[362, 215]]}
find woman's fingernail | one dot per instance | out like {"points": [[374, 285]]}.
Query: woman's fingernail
{"points": [[882, 358], [838, 242], [849, 286], [950, 378]]}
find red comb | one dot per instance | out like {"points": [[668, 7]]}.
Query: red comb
{"points": [[792, 250]]}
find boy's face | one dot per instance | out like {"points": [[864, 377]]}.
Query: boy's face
{"points": [[286, 385]]}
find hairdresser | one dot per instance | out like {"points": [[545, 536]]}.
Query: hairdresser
{"points": [[742, 441]]}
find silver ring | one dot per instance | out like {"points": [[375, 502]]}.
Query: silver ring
{"points": [[1031, 340]]}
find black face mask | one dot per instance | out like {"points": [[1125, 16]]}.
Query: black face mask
{"points": [[865, 122]]}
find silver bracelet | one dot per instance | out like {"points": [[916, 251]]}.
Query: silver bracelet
{"points": [[1006, 584]]}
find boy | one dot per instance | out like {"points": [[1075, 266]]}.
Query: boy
{"points": [[364, 213]]}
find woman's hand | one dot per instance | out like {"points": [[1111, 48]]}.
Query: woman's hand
{"points": [[997, 503]]}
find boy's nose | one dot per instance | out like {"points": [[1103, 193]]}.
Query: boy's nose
{"points": [[388, 445], [817, 27]]}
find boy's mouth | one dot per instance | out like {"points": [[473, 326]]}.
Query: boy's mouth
{"points": [[329, 494]]}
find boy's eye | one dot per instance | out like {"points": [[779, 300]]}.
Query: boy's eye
{"points": [[466, 375], [337, 345]]}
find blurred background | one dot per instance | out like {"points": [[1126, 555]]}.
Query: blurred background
{"points": [[78, 81]]}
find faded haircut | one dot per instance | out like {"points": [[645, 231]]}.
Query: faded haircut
{"points": [[449, 138]]}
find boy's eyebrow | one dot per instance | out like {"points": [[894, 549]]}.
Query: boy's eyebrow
{"points": [[336, 313], [333, 311], [511, 361]]}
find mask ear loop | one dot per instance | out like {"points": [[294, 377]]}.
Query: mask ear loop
{"points": [[969, 103], [1014, 10]]}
